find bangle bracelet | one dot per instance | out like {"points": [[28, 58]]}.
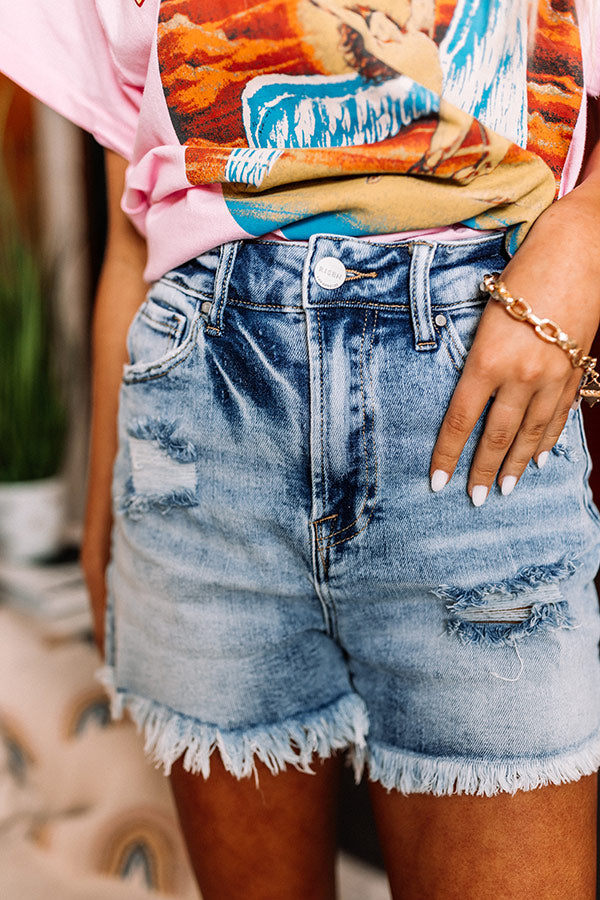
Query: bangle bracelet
{"points": [[549, 331]]}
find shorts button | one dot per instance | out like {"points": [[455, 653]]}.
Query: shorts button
{"points": [[330, 272], [440, 319]]}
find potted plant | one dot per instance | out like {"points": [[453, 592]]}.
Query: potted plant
{"points": [[32, 412]]}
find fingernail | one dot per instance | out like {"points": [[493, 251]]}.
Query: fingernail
{"points": [[542, 459], [508, 485], [439, 479], [479, 494]]}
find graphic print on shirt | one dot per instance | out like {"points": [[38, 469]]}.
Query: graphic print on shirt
{"points": [[279, 100]]}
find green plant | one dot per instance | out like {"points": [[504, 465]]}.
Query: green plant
{"points": [[32, 413]]}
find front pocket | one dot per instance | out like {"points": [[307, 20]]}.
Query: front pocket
{"points": [[155, 331], [457, 328], [162, 329]]}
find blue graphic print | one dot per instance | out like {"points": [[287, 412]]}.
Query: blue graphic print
{"points": [[484, 61], [321, 111]]}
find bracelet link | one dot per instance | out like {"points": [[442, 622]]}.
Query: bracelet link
{"points": [[518, 309], [548, 330]]}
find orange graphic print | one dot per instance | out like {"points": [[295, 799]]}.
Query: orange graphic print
{"points": [[554, 84], [279, 101]]}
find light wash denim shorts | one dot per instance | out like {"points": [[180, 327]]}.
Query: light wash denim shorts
{"points": [[284, 584]]}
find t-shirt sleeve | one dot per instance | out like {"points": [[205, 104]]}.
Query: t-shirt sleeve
{"points": [[61, 53]]}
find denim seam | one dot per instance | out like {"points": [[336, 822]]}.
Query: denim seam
{"points": [[283, 308], [461, 354], [318, 524], [585, 491], [174, 331], [322, 401], [150, 375], [375, 466], [327, 605], [162, 369], [189, 292], [222, 285], [408, 242], [356, 304], [451, 358], [362, 391], [448, 337], [420, 299]]}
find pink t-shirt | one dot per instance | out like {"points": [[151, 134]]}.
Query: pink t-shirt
{"points": [[241, 118]]}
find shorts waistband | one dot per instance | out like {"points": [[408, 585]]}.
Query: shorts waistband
{"points": [[328, 270]]}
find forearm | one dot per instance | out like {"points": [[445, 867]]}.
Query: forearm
{"points": [[558, 266], [120, 292]]}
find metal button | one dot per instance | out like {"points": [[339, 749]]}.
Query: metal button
{"points": [[440, 319], [330, 272]]}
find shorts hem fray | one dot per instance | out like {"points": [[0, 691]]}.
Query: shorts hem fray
{"points": [[170, 735], [414, 773]]}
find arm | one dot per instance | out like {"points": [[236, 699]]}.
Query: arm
{"points": [[557, 270], [121, 290]]}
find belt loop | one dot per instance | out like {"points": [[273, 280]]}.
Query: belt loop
{"points": [[227, 255], [422, 255]]}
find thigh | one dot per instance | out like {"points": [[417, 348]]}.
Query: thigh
{"points": [[271, 839], [538, 844]]}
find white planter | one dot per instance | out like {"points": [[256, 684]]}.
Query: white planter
{"points": [[31, 518]]}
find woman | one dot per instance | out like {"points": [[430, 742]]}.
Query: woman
{"points": [[333, 529]]}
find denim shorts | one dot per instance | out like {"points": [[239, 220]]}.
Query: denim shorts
{"points": [[284, 584]]}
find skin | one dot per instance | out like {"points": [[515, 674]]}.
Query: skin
{"points": [[533, 382], [275, 841]]}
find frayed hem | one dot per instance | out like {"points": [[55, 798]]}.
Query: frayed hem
{"points": [[170, 735], [414, 773]]}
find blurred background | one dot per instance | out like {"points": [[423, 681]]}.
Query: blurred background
{"points": [[82, 815]]}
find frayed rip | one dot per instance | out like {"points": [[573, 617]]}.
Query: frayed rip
{"points": [[542, 616], [163, 433], [170, 735], [562, 450], [135, 505], [414, 773], [526, 578]]}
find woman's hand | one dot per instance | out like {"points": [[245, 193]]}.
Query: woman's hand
{"points": [[533, 385], [120, 292]]}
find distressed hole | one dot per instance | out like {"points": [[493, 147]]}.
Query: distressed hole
{"points": [[136, 504], [164, 434], [154, 471], [561, 450], [527, 579], [163, 469], [507, 620]]}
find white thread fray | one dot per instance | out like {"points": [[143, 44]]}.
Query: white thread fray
{"points": [[413, 773], [170, 735]]}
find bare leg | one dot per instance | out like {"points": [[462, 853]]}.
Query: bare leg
{"points": [[535, 845], [274, 842]]}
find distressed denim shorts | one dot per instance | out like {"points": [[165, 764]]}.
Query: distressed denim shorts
{"points": [[284, 584]]}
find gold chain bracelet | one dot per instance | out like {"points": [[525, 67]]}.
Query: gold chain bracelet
{"points": [[547, 330]]}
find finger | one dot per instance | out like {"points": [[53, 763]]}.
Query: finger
{"points": [[539, 414], [503, 421], [557, 422], [468, 401]]}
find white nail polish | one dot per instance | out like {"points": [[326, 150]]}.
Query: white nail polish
{"points": [[479, 494], [439, 479], [542, 459], [508, 485]]}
